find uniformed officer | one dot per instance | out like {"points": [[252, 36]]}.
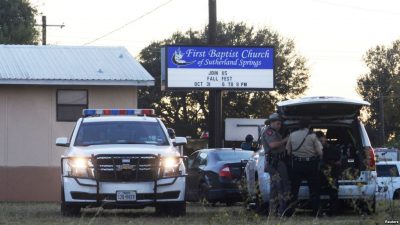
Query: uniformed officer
{"points": [[306, 151], [274, 147], [248, 143], [330, 171]]}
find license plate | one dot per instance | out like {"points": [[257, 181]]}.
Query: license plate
{"points": [[126, 196]]}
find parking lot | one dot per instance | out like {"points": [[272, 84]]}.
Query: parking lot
{"points": [[49, 213]]}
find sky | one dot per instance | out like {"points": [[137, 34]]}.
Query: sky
{"points": [[333, 35]]}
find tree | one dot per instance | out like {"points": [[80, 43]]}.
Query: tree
{"points": [[17, 22], [382, 81], [187, 112]]}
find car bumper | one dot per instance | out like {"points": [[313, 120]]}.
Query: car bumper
{"points": [[224, 195], [85, 191], [387, 195], [345, 192]]}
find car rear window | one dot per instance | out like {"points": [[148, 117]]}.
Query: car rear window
{"points": [[235, 156], [387, 171]]}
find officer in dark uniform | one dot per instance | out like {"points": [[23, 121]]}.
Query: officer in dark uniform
{"points": [[330, 172], [306, 152], [274, 147], [248, 144]]}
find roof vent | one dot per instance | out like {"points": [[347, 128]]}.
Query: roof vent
{"points": [[121, 56], [100, 71]]}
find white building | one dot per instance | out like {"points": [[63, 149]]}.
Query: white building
{"points": [[43, 90]]}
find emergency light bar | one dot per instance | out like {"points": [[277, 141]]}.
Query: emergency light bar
{"points": [[117, 112]]}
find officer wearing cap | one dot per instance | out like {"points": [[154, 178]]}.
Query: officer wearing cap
{"points": [[248, 143], [274, 147], [306, 151]]}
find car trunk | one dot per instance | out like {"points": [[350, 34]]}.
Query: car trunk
{"points": [[338, 119]]}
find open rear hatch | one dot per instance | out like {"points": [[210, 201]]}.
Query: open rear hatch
{"points": [[321, 108]]}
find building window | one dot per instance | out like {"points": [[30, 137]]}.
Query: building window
{"points": [[70, 104]]}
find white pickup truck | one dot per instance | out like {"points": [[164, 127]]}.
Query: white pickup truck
{"points": [[388, 187], [122, 158]]}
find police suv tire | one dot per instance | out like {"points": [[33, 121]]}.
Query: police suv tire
{"points": [[69, 210], [230, 203], [180, 209], [171, 209]]}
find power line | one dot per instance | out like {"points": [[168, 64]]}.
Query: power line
{"points": [[130, 22]]}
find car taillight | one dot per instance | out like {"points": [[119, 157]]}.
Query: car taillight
{"points": [[371, 158], [225, 172]]}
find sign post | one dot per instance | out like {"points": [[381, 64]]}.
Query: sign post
{"points": [[215, 96]]}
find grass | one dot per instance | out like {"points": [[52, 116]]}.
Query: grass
{"points": [[49, 213]]}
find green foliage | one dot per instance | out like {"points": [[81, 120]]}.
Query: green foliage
{"points": [[394, 142], [187, 112], [383, 79], [17, 22]]}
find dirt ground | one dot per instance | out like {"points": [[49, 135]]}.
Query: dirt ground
{"points": [[49, 213]]}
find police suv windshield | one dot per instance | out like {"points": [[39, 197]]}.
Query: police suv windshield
{"points": [[120, 132]]}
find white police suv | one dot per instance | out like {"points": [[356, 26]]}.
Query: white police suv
{"points": [[122, 158]]}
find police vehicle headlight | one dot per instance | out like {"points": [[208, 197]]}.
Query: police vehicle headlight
{"points": [[171, 166], [79, 167]]}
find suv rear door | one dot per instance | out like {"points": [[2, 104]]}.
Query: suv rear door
{"points": [[334, 111], [321, 108]]}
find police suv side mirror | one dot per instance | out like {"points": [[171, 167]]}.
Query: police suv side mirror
{"points": [[62, 141], [179, 141]]}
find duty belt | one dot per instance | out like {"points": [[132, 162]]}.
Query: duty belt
{"points": [[276, 156], [305, 159]]}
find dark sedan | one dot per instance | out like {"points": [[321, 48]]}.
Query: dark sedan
{"points": [[214, 175]]}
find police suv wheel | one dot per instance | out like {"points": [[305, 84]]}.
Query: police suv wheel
{"points": [[171, 209], [230, 203], [68, 210]]}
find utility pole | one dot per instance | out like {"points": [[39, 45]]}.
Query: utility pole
{"points": [[44, 30], [215, 96], [44, 26], [382, 119]]}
